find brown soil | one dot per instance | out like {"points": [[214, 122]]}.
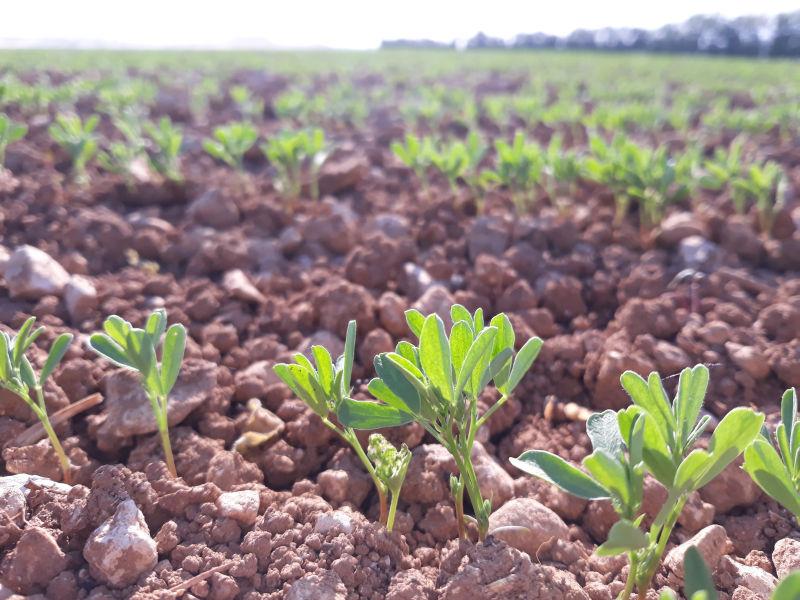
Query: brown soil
{"points": [[254, 282]]}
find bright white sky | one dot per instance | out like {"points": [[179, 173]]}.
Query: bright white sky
{"points": [[357, 24]]}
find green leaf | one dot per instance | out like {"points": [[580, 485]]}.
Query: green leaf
{"points": [[408, 351], [434, 356], [655, 452], [623, 537], [692, 387], [697, 578], [299, 379], [789, 416], [302, 360], [733, 434], [156, 325], [5, 359], [57, 351], [503, 340], [370, 415], [21, 340], [604, 433], [349, 353], [26, 372], [788, 588], [117, 329], [395, 380], [109, 349], [522, 363], [476, 354], [609, 472], [324, 363], [764, 465], [460, 341], [641, 393], [415, 320], [556, 470], [459, 313], [172, 357]]}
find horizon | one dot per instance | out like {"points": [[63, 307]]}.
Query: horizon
{"points": [[287, 27]]}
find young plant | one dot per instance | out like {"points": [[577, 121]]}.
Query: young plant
{"points": [[416, 154], [295, 154], [763, 186], [137, 349], [519, 169], [250, 107], [231, 142], [122, 157], [777, 471], [655, 436], [391, 466], [77, 138], [166, 140], [437, 383], [323, 386], [9, 132], [562, 169], [17, 376]]}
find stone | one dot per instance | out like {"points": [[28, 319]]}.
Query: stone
{"points": [[239, 286], [339, 175], [755, 579], [534, 525], [32, 273], [732, 488], [786, 556], [80, 297], [391, 314], [214, 210], [679, 226], [436, 299], [494, 481], [697, 253], [334, 523], [750, 359], [488, 235], [120, 550], [128, 411], [320, 585], [710, 543], [35, 560], [241, 506]]}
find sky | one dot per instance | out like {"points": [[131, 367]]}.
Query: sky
{"points": [[356, 24]]}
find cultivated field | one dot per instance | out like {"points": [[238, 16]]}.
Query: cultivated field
{"points": [[494, 243]]}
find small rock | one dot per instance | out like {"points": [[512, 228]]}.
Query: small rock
{"points": [[436, 299], [786, 556], [710, 543], [336, 521], [238, 285], [750, 359], [332, 342], [488, 235], [755, 579], [128, 411], [340, 175], [80, 297], [241, 506], [35, 560], [214, 210], [537, 525], [698, 253], [321, 585], [32, 273], [677, 227], [121, 549], [494, 481], [731, 488], [391, 313]]}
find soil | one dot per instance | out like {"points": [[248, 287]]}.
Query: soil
{"points": [[255, 279]]}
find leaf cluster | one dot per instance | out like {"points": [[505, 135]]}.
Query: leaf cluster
{"points": [[10, 132], [229, 143]]}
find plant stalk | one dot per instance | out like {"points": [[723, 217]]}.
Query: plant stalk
{"points": [[349, 435], [63, 459], [392, 510]]}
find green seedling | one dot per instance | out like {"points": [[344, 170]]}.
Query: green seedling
{"points": [[122, 156], [323, 386], [391, 466], [562, 169], [230, 143], [294, 155], [137, 349], [777, 471], [519, 169], [9, 132], [250, 107], [416, 154], [655, 436], [723, 167], [762, 185], [437, 384], [452, 161], [17, 376], [77, 138], [166, 140]]}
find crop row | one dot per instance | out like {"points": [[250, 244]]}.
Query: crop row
{"points": [[437, 382]]}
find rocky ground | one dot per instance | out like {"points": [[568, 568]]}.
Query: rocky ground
{"points": [[253, 281]]}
